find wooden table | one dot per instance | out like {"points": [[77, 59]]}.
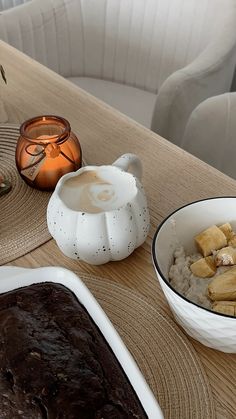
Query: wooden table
{"points": [[171, 178]]}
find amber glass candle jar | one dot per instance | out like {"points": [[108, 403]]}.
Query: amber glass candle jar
{"points": [[46, 150]]}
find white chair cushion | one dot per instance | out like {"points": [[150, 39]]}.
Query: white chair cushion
{"points": [[136, 103]]}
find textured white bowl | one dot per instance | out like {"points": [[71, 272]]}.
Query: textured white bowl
{"points": [[215, 330], [14, 277]]}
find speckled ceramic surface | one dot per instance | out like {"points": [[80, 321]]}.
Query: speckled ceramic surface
{"points": [[99, 213]]}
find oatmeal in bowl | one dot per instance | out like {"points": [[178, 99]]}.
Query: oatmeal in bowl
{"points": [[208, 277], [194, 255]]}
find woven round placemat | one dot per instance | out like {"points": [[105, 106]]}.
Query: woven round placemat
{"points": [[163, 353], [23, 225]]}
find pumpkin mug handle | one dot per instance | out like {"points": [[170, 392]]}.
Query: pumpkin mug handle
{"points": [[130, 163]]}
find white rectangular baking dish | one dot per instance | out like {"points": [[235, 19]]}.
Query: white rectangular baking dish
{"points": [[14, 277]]}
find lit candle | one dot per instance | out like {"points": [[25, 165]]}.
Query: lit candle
{"points": [[46, 150]]}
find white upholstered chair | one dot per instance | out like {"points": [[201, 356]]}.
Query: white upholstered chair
{"points": [[154, 60], [7, 4], [210, 133]]}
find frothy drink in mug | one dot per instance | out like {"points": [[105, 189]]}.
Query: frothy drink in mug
{"points": [[95, 191], [99, 213]]}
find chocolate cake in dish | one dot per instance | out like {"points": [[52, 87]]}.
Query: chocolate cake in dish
{"points": [[54, 361]]}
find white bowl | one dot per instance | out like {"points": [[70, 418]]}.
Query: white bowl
{"points": [[14, 277], [215, 330]]}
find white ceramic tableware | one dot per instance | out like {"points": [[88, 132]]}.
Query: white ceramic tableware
{"points": [[215, 330], [99, 213], [13, 277]]}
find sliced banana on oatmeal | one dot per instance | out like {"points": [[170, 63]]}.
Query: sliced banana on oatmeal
{"points": [[232, 240], [223, 286], [210, 239], [204, 267], [225, 307], [226, 256], [227, 230]]}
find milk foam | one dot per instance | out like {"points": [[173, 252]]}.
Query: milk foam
{"points": [[94, 191]]}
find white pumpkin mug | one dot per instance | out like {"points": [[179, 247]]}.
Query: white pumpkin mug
{"points": [[99, 213]]}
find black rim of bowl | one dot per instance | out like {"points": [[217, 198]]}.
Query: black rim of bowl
{"points": [[154, 258]]}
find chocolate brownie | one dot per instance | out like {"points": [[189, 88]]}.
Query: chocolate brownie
{"points": [[55, 363]]}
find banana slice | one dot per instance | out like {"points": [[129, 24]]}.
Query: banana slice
{"points": [[226, 229], [223, 287], [232, 240], [225, 307], [204, 267], [210, 239], [226, 256]]}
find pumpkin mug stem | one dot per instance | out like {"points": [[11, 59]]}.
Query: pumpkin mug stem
{"points": [[130, 163]]}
